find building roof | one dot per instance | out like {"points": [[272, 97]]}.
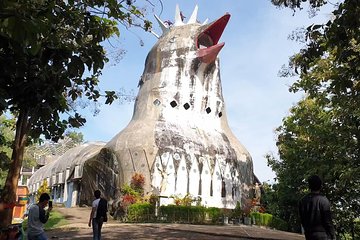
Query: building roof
{"points": [[76, 156]]}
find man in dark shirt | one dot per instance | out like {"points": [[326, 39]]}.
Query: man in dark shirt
{"points": [[315, 213]]}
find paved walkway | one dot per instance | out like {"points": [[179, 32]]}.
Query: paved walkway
{"points": [[78, 229]]}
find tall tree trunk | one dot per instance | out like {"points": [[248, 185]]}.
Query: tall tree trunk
{"points": [[8, 196]]}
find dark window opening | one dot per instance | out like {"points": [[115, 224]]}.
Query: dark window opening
{"points": [[204, 41], [211, 188], [208, 110], [173, 104], [220, 114], [223, 189], [200, 185], [186, 106]]}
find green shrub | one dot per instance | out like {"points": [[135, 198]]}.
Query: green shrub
{"points": [[237, 212], [141, 212], [255, 218], [268, 220], [197, 214], [278, 224], [213, 214], [128, 190], [44, 188], [183, 214], [357, 228], [187, 200]]}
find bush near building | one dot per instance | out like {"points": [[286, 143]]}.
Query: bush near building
{"points": [[268, 220], [141, 212], [182, 214], [136, 207], [44, 188]]}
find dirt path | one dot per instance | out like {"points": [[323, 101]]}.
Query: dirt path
{"points": [[75, 214], [78, 229], [78, 217]]}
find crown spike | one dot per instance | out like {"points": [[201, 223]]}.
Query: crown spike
{"points": [[155, 34], [162, 25], [205, 22], [193, 17], [178, 18]]}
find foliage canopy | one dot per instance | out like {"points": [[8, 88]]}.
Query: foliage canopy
{"points": [[321, 134], [7, 128], [50, 56]]}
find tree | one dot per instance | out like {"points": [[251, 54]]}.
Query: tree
{"points": [[7, 129], [44, 188], [50, 56], [302, 142], [35, 152], [297, 4], [321, 134], [76, 137]]}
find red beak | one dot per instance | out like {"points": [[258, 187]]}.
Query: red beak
{"points": [[207, 41]]}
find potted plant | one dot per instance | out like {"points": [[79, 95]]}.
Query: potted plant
{"points": [[246, 211], [226, 213], [237, 213]]}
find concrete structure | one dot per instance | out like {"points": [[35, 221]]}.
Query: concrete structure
{"points": [[69, 177], [178, 137]]}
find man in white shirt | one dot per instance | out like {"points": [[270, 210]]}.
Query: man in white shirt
{"points": [[97, 221], [37, 216]]}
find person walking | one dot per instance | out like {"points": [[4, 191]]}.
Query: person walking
{"points": [[315, 213], [98, 215], [37, 217]]}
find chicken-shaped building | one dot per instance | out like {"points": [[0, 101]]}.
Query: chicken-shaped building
{"points": [[179, 137]]}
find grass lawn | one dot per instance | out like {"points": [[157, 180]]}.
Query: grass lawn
{"points": [[56, 220]]}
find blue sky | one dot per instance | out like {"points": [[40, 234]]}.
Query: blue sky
{"points": [[256, 46]]}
